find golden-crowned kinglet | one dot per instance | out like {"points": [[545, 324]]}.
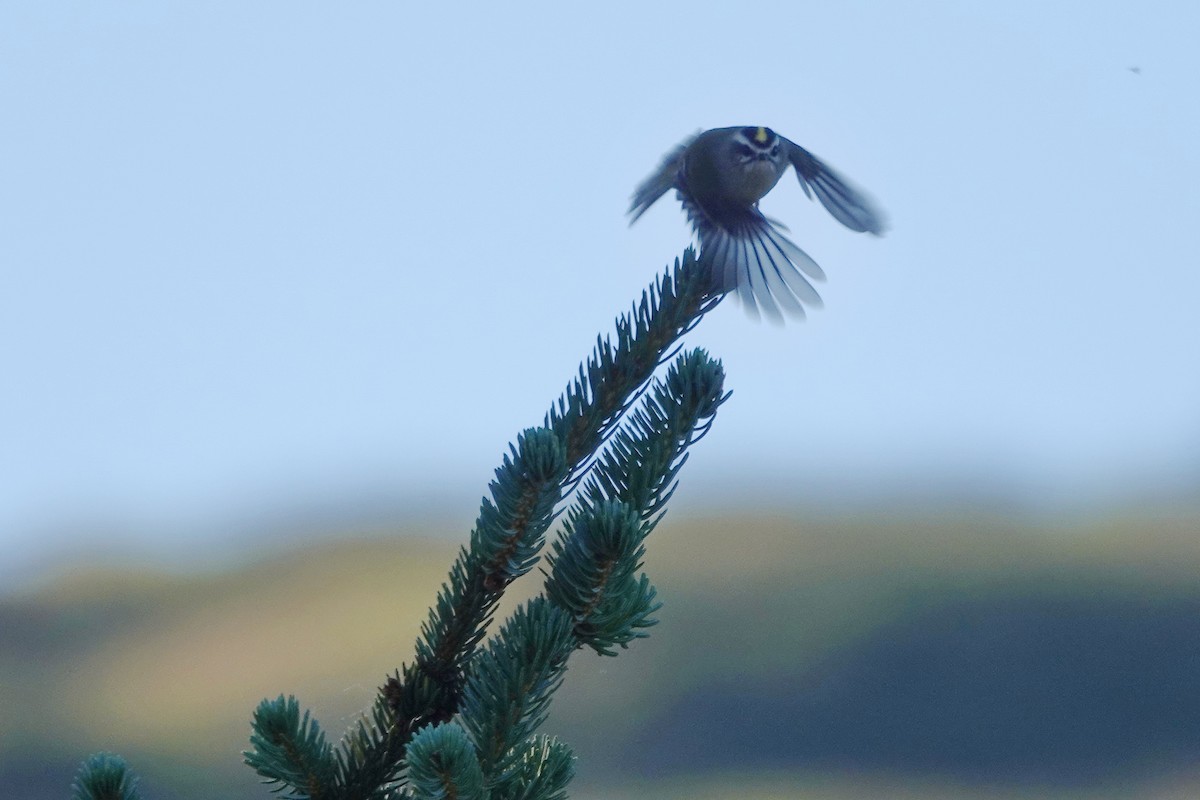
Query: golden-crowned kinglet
{"points": [[719, 176]]}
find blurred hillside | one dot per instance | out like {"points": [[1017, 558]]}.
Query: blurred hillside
{"points": [[867, 656]]}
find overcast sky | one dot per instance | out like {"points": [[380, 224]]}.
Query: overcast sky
{"points": [[262, 258]]}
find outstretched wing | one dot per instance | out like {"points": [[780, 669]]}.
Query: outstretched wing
{"points": [[749, 253], [847, 205], [655, 186]]}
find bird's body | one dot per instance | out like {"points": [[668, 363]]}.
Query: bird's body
{"points": [[719, 176]]}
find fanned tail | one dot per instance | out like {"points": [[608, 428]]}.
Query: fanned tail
{"points": [[750, 255]]}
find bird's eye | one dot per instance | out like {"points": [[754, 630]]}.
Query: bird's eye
{"points": [[775, 150], [743, 150]]}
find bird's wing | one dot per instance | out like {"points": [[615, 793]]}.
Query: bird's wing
{"points": [[655, 186], [749, 254], [848, 205]]}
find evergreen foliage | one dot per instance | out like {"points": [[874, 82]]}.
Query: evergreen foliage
{"points": [[460, 720], [443, 765], [290, 750], [507, 695], [104, 776]]}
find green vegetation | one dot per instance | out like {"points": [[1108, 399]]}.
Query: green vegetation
{"points": [[461, 720]]}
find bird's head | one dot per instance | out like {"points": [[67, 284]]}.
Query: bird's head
{"points": [[759, 158]]}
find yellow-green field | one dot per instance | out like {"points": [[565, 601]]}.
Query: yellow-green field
{"points": [[875, 656]]}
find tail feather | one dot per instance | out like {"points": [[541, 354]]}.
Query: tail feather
{"points": [[749, 255]]}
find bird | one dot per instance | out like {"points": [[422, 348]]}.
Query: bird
{"points": [[719, 176]]}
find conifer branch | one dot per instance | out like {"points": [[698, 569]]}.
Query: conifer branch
{"points": [[507, 695], [290, 750], [594, 593], [594, 564], [104, 776], [541, 770], [511, 525], [612, 377], [442, 765], [370, 757], [640, 464]]}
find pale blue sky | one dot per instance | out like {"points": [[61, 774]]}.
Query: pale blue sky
{"points": [[260, 258]]}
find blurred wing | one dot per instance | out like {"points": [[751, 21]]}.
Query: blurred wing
{"points": [[847, 205], [654, 187], [749, 254]]}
